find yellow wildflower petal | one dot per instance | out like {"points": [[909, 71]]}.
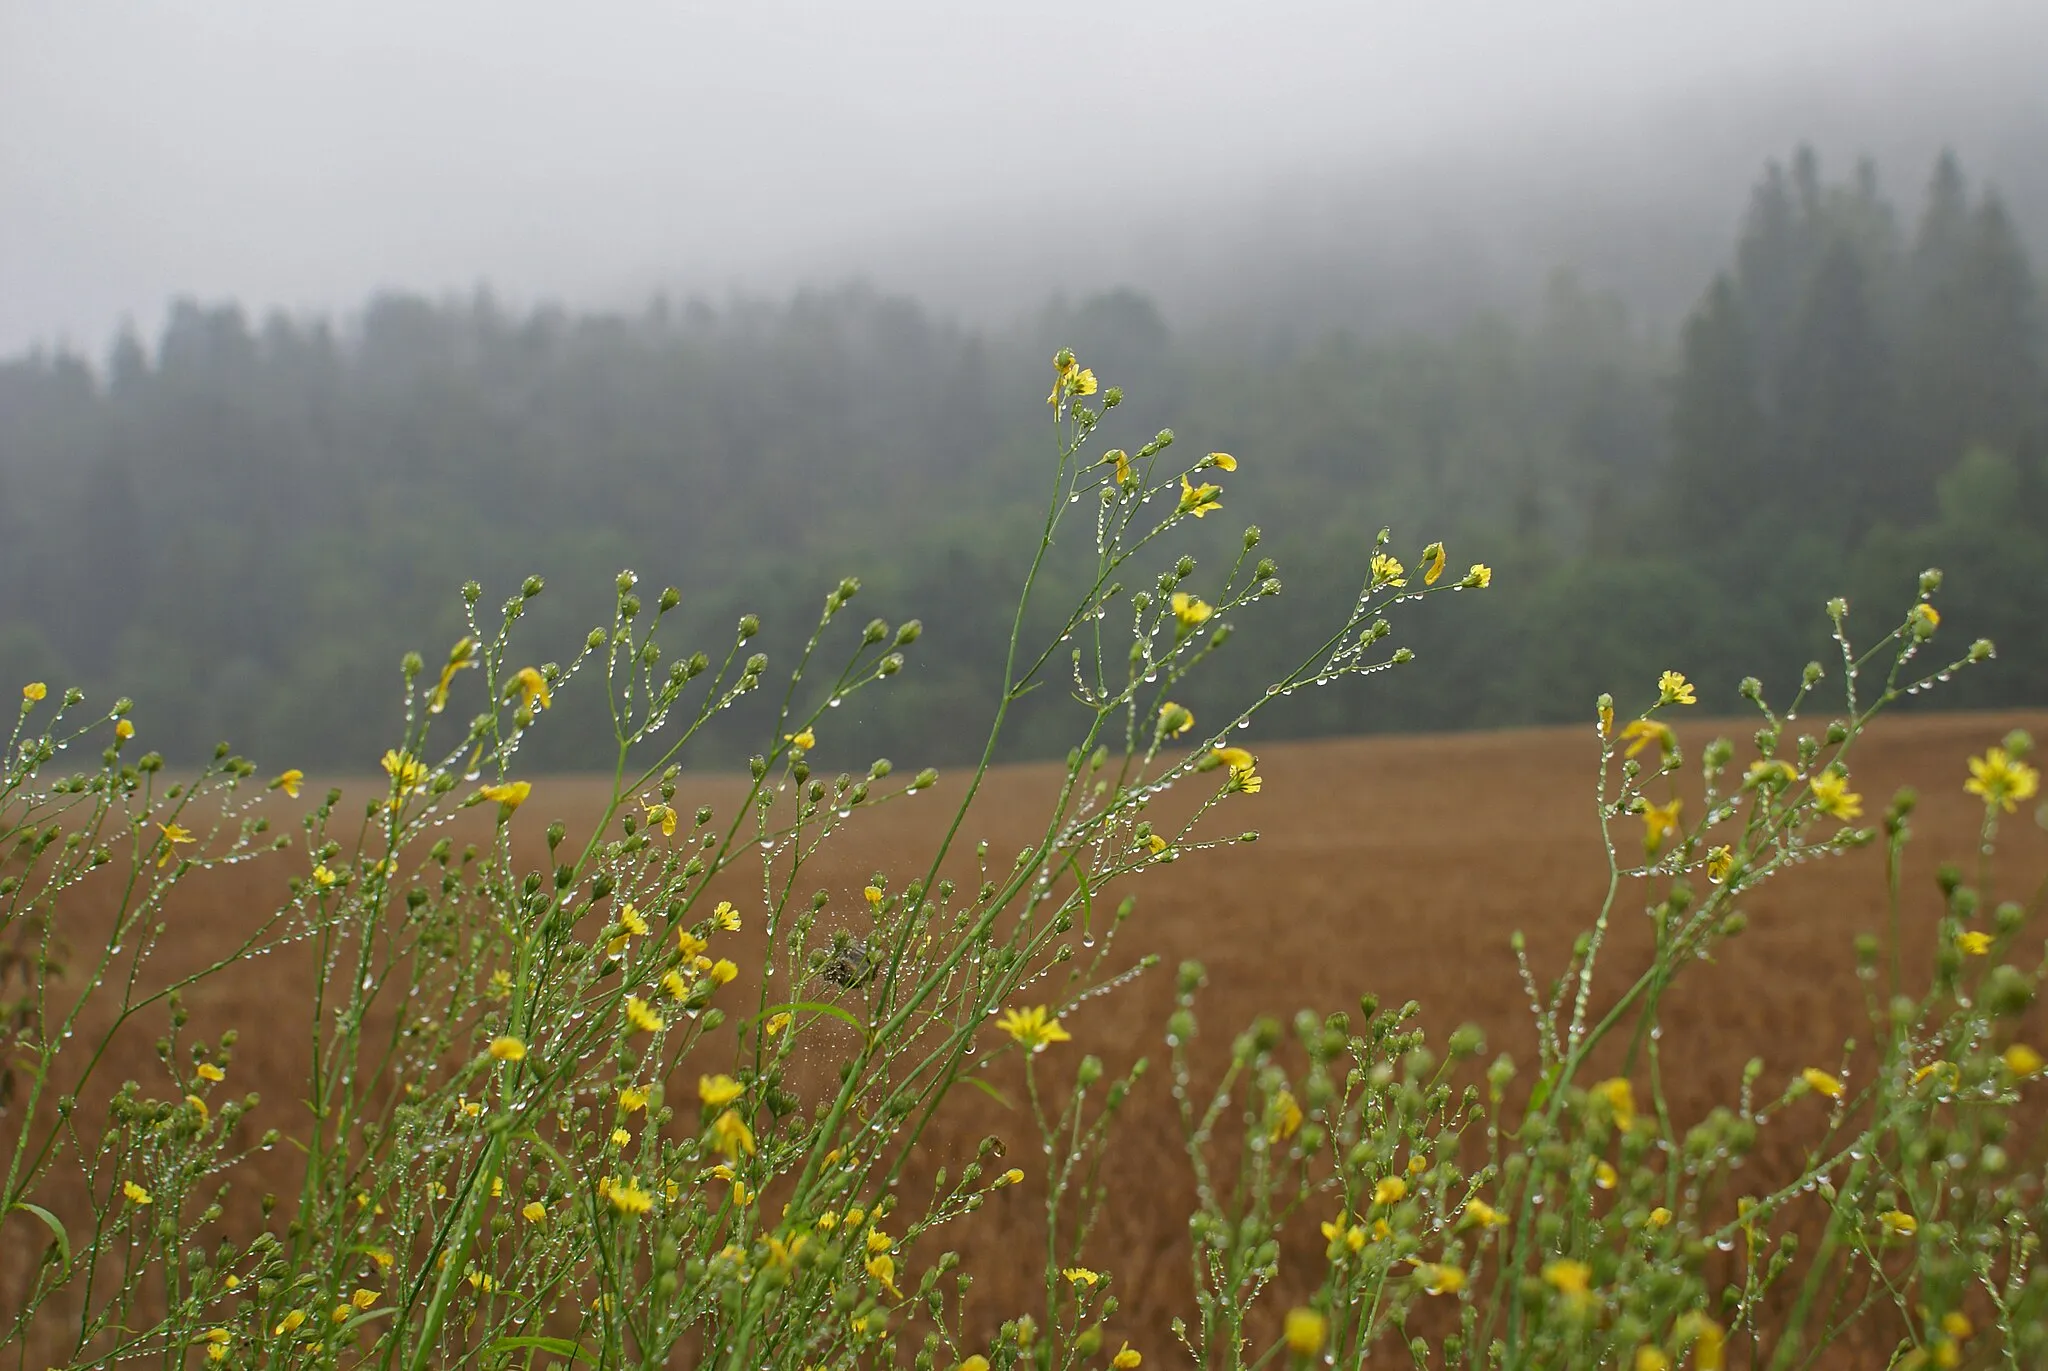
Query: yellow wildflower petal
{"points": [[1822, 1082], [1305, 1332], [719, 1091]]}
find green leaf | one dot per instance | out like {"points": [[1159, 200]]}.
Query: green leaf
{"points": [[815, 1007], [56, 1227], [561, 1347], [985, 1088]]}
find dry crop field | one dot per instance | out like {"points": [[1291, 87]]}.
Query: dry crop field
{"points": [[1397, 866]]}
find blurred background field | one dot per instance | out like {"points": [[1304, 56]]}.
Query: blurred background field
{"points": [[1393, 867]]}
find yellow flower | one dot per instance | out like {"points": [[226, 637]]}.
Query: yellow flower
{"points": [[1478, 1212], [726, 917], [1127, 1358], [508, 796], [1926, 618], [730, 1134], [407, 770], [1388, 571], [363, 1299], [632, 1099], [534, 1212], [878, 1241], [627, 1197], [1621, 1100], [289, 782], [1033, 1027], [723, 970], [1822, 1082], [1606, 715], [1947, 1069], [643, 1018], [630, 920], [1121, 460], [1659, 1217], [1155, 844], [873, 895], [1081, 1275], [1305, 1331], [1709, 1350], [883, 1269], [1011, 1177], [719, 1091], [1286, 1117], [532, 687], [1070, 378], [1189, 611], [135, 1193], [1479, 577], [383, 1258], [1175, 720], [1222, 461], [663, 817], [1604, 1175], [1957, 1324], [675, 985], [1432, 563], [461, 656], [1832, 795], [777, 1022], [1973, 943], [1640, 733], [1720, 861], [2022, 1060], [199, 1108], [620, 1137], [507, 1048], [1342, 1230], [1674, 689], [209, 1072], [1767, 771], [33, 691], [2002, 779], [802, 742], [1899, 1223], [1651, 1359], [1390, 1190], [689, 944], [1659, 820], [1236, 758], [1440, 1279], [1199, 500], [289, 1323], [174, 834], [124, 729], [1570, 1278]]}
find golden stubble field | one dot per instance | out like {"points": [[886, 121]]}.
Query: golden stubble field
{"points": [[1396, 866]]}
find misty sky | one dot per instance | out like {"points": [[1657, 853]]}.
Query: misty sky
{"points": [[300, 154]]}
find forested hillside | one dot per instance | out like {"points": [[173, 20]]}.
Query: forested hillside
{"points": [[243, 523]]}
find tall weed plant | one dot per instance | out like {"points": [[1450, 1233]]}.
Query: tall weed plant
{"points": [[553, 1118]]}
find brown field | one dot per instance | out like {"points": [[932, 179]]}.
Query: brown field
{"points": [[1398, 866]]}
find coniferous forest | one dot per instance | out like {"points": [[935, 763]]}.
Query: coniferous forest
{"points": [[244, 522]]}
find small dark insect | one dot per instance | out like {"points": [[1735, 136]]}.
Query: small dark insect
{"points": [[849, 963]]}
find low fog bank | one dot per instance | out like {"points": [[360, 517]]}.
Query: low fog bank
{"points": [[1273, 174]]}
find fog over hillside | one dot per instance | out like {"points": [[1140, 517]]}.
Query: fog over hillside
{"points": [[1315, 164]]}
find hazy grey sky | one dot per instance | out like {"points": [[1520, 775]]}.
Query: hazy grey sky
{"points": [[292, 153]]}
